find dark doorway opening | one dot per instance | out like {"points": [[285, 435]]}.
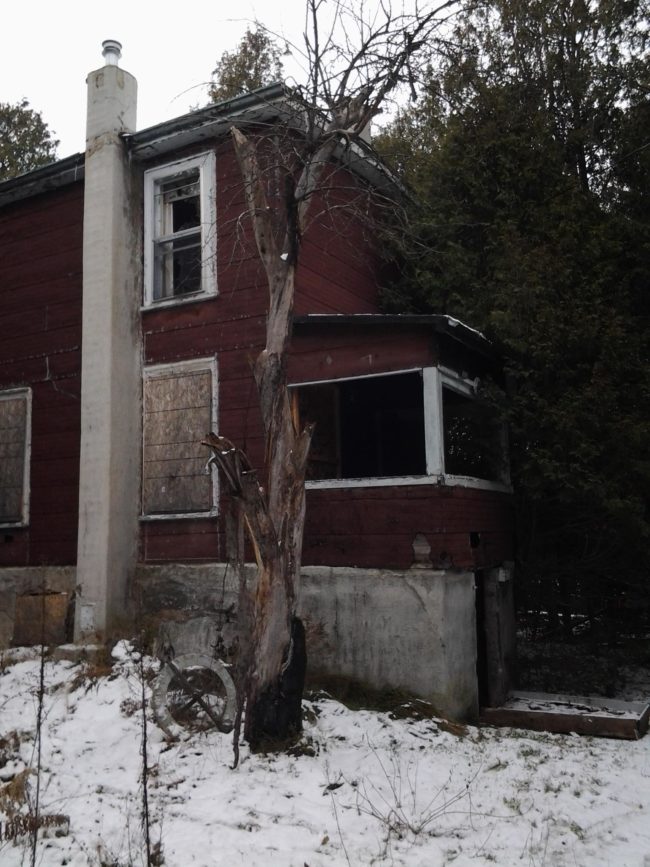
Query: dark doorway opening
{"points": [[481, 641]]}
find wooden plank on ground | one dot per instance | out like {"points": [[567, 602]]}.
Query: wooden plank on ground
{"points": [[564, 714]]}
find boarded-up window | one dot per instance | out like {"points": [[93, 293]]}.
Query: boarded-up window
{"points": [[14, 455], [177, 416]]}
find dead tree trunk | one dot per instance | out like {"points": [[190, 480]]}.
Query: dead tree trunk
{"points": [[274, 515], [347, 87]]}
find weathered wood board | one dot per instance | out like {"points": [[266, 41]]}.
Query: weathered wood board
{"points": [[40, 618], [563, 714]]}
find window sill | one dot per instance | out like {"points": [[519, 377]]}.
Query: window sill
{"points": [[402, 481], [177, 301], [13, 525], [179, 516]]}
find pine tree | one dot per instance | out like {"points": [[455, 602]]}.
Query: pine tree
{"points": [[529, 156], [253, 64], [25, 140]]}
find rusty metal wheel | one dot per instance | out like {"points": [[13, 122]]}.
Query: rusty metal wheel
{"points": [[194, 692]]}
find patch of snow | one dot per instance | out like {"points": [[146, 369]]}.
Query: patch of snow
{"points": [[377, 790], [454, 323]]}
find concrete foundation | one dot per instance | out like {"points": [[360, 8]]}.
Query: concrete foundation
{"points": [[413, 631]]}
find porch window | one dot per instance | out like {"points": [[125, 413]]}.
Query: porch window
{"points": [[179, 406], [366, 427], [180, 231], [473, 437], [15, 442], [420, 426]]}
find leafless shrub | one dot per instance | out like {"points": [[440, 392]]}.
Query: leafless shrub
{"points": [[395, 803]]}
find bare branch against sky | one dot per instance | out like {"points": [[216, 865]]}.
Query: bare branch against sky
{"points": [[49, 49]]}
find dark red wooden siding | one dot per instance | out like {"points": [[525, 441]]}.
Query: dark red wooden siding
{"points": [[372, 527], [375, 527], [40, 323], [335, 276], [322, 354]]}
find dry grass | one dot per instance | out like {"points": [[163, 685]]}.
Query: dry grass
{"points": [[100, 665], [14, 794]]}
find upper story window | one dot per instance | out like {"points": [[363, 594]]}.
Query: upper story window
{"points": [[15, 442], [180, 231], [409, 427]]}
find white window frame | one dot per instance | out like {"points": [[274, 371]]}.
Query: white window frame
{"points": [[433, 379], [153, 179], [154, 371], [26, 394], [467, 387]]}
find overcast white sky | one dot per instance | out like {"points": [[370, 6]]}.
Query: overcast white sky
{"points": [[170, 47]]}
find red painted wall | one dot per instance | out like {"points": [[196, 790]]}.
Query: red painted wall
{"points": [[329, 353], [371, 527], [335, 276], [375, 527], [40, 323]]}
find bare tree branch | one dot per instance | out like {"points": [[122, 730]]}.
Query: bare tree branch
{"points": [[356, 60]]}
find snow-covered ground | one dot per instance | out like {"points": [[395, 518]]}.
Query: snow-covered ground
{"points": [[376, 790]]}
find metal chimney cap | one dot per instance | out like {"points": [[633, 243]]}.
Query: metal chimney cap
{"points": [[112, 51]]}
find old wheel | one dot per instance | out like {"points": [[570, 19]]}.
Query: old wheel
{"points": [[194, 692]]}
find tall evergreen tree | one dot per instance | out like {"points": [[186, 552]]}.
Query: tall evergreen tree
{"points": [[25, 140], [254, 63], [529, 153]]}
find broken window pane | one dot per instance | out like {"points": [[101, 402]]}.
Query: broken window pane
{"points": [[181, 203], [371, 427], [177, 247], [177, 266]]}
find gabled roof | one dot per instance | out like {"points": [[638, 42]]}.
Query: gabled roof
{"points": [[275, 103]]}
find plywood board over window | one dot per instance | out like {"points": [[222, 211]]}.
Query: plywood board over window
{"points": [[179, 410], [15, 432]]}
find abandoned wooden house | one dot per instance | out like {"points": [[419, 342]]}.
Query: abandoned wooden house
{"points": [[131, 304]]}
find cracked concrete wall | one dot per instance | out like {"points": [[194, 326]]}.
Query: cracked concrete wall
{"points": [[413, 630]]}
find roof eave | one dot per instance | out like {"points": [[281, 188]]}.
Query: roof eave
{"points": [[208, 123], [438, 322], [273, 103], [43, 180]]}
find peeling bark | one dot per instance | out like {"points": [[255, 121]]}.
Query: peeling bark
{"points": [[344, 97]]}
